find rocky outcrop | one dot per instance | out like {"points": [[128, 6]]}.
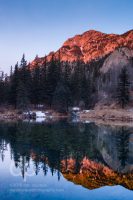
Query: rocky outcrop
{"points": [[88, 46], [118, 59], [110, 71]]}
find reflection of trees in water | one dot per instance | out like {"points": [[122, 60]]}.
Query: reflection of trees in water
{"points": [[3, 148], [122, 140], [50, 144], [3, 143], [23, 165], [45, 164]]}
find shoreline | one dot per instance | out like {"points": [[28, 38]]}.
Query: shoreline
{"points": [[106, 116], [109, 116], [15, 115], [111, 123]]}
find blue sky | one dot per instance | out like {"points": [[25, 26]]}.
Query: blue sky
{"points": [[40, 26]]}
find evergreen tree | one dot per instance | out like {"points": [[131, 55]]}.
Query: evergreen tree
{"points": [[67, 73], [123, 93], [23, 61], [85, 90], [6, 89], [14, 80], [25, 75], [79, 85], [43, 82], [22, 97], [53, 76], [36, 86], [76, 84], [11, 72], [62, 97], [2, 92]]}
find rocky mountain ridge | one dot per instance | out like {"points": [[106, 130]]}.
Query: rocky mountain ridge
{"points": [[91, 45]]}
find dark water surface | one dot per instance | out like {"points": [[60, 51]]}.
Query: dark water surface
{"points": [[64, 160]]}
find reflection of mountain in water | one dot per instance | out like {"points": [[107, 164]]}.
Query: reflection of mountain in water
{"points": [[94, 175], [85, 154]]}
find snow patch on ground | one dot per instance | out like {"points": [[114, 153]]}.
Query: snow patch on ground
{"points": [[40, 114]]}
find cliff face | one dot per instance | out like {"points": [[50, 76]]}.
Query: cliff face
{"points": [[89, 46], [118, 59], [110, 71]]}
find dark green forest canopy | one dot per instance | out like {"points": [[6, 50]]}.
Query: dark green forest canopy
{"points": [[61, 85], [54, 84]]}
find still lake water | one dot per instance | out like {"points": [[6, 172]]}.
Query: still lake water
{"points": [[64, 160]]}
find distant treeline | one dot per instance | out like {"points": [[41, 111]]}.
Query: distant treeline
{"points": [[57, 85]]}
